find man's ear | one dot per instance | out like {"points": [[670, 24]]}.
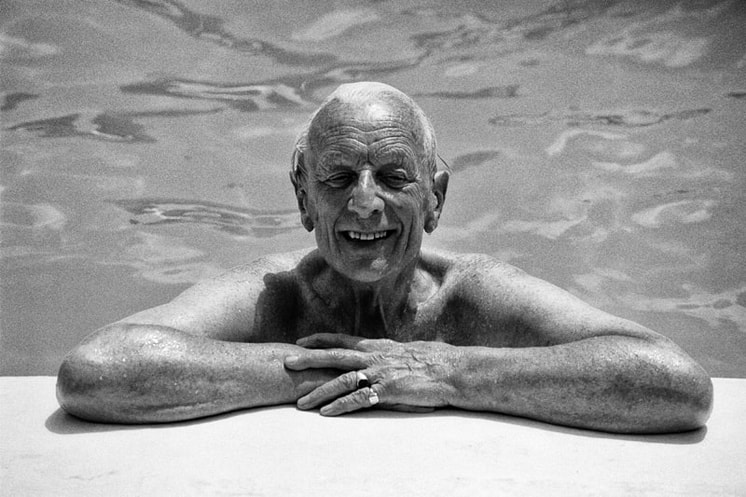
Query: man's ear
{"points": [[302, 197], [440, 186]]}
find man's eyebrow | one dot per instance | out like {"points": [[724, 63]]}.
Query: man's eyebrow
{"points": [[396, 156], [326, 167]]}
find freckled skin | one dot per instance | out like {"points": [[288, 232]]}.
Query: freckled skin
{"points": [[428, 329]]}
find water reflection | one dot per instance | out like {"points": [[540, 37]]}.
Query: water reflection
{"points": [[629, 118], [211, 30], [506, 91], [100, 126], [292, 91], [473, 159], [595, 144], [11, 100], [473, 30], [233, 220], [117, 127], [246, 97]]}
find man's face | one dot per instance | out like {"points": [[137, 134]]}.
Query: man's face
{"points": [[368, 194]]}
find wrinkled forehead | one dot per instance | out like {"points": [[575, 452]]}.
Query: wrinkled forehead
{"points": [[379, 111]]}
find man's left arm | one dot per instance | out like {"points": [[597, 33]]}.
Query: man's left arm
{"points": [[576, 365]]}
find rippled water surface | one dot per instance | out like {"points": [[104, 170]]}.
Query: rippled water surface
{"points": [[146, 143]]}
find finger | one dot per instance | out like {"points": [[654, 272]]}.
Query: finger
{"points": [[329, 391], [329, 340], [359, 399], [328, 358]]}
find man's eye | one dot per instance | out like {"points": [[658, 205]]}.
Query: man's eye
{"points": [[395, 180], [340, 180]]}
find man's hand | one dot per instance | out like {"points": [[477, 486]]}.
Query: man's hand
{"points": [[411, 376]]}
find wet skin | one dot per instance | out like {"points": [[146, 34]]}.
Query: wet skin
{"points": [[428, 329]]}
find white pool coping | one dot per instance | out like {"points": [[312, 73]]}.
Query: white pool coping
{"points": [[285, 452]]}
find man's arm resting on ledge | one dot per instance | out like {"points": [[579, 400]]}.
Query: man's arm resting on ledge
{"points": [[130, 373], [609, 383], [578, 365]]}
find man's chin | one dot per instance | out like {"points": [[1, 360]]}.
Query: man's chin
{"points": [[366, 261], [365, 271]]}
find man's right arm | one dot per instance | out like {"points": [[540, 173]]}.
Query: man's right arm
{"points": [[185, 359], [132, 373]]}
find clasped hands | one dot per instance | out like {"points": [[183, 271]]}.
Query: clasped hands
{"points": [[411, 376]]}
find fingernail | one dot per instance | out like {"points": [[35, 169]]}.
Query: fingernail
{"points": [[291, 359]]}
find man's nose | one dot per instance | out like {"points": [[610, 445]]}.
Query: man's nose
{"points": [[365, 200]]}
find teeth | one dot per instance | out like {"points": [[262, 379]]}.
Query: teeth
{"points": [[356, 235]]}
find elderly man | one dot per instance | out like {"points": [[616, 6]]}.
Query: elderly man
{"points": [[369, 319]]}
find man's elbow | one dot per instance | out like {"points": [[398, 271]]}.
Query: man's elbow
{"points": [[683, 399], [101, 379], [85, 383], [697, 392], [68, 386], [670, 393]]}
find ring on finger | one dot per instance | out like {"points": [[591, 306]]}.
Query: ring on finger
{"points": [[362, 380], [373, 398]]}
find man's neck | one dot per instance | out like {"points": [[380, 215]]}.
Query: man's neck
{"points": [[374, 309]]}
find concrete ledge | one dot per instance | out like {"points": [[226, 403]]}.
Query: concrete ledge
{"points": [[285, 452]]}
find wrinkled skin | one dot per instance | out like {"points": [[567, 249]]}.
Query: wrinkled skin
{"points": [[403, 374], [365, 177], [369, 195], [428, 329]]}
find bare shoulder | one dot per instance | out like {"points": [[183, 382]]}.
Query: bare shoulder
{"points": [[224, 306], [484, 283], [521, 309], [465, 268], [271, 263]]}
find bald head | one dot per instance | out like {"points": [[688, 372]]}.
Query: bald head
{"points": [[371, 102]]}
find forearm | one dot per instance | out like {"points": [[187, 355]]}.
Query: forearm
{"points": [[137, 374], [605, 383]]}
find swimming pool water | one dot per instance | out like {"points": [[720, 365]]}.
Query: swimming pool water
{"points": [[596, 144]]}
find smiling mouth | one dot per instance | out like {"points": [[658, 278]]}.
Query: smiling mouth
{"points": [[367, 237]]}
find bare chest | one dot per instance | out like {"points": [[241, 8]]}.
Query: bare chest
{"points": [[441, 318]]}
